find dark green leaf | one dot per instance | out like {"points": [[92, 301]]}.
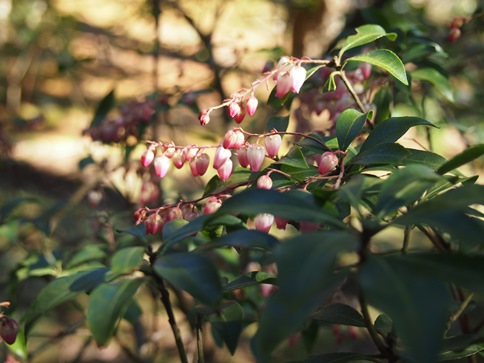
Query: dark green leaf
{"points": [[127, 259], [192, 273], [365, 34], [278, 123], [294, 159], [88, 160], [138, 231], [216, 185], [337, 358], [383, 325], [61, 290], [391, 130], [172, 227], [301, 286], [462, 346], [388, 153], [340, 314], [404, 187], [386, 60], [228, 324], [348, 125], [463, 158], [250, 279], [107, 304], [293, 205], [87, 253], [103, 109], [417, 305], [244, 238], [330, 84], [437, 79], [428, 158], [10, 206]]}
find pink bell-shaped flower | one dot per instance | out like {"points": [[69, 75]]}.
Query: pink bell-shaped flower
{"points": [[162, 164], [251, 105], [273, 143], [297, 75], [225, 170], [284, 84], [204, 118], [202, 161], [255, 156], [147, 157], [264, 182], [242, 156], [153, 224], [211, 205], [178, 159], [221, 155], [263, 222]]}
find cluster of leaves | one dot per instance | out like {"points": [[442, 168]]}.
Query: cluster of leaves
{"points": [[424, 283]]}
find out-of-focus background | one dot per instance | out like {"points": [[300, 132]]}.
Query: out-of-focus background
{"points": [[60, 58]]}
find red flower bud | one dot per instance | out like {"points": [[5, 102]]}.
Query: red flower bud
{"points": [[327, 162], [153, 224], [204, 117], [8, 330]]}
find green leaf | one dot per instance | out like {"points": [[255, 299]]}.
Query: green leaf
{"points": [[463, 158], [10, 206], [103, 109], [330, 84], [107, 304], [423, 157], [365, 34], [228, 324], [404, 187], [279, 123], [417, 305], [437, 79], [383, 325], [192, 273], [460, 347], [244, 238], [88, 253], [172, 227], [388, 153], [386, 60], [127, 259], [302, 287], [88, 160], [138, 231], [292, 205], [348, 125], [19, 347], [250, 279], [340, 314], [391, 130], [61, 290], [294, 159], [217, 185]]}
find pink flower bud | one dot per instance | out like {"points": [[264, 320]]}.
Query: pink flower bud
{"points": [[204, 118], [283, 66], [221, 155], [225, 170], [229, 140], [178, 159], [242, 156], [193, 167], [153, 224], [297, 76], [189, 152], [234, 109], [169, 151], [327, 162], [174, 213], [263, 222], [284, 84], [239, 117], [202, 161], [281, 223], [162, 163], [255, 156], [264, 182], [8, 330], [272, 143], [211, 205], [147, 157], [251, 105], [240, 139]]}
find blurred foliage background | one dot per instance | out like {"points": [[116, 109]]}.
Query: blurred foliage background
{"points": [[60, 58]]}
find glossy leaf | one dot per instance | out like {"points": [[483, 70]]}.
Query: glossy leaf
{"points": [[340, 314], [106, 307], [301, 286], [293, 205], [250, 279], [386, 60], [391, 130], [348, 125], [462, 346], [388, 153], [403, 187], [365, 34], [463, 158], [61, 290], [127, 259], [437, 79], [417, 305], [243, 238], [86, 254], [228, 324], [103, 109], [279, 123], [138, 231], [428, 158], [192, 273]]}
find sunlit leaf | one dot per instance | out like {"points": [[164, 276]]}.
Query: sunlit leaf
{"points": [[348, 125], [386, 60], [365, 34], [463, 158], [127, 259]]}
